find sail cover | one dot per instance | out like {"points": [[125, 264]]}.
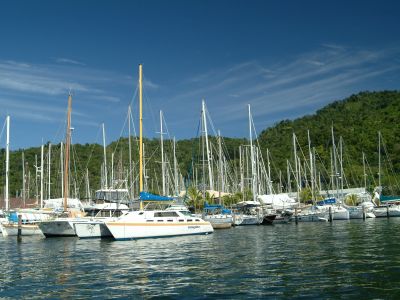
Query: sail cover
{"points": [[145, 196]]}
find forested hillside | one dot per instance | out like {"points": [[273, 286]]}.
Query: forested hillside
{"points": [[356, 119]]}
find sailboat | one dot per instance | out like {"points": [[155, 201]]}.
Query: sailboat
{"points": [[10, 218], [153, 223], [63, 226]]}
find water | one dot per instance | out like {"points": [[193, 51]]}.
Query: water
{"points": [[348, 259]]}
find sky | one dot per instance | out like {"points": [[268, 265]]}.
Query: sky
{"points": [[286, 59]]}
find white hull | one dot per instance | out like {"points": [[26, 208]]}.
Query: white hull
{"points": [[92, 229], [381, 212], [311, 218], [58, 227], [340, 214], [219, 221], [240, 220], [358, 213], [26, 229], [148, 224]]}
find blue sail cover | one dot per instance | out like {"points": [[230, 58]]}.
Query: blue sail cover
{"points": [[212, 207], [145, 196], [388, 198], [327, 201]]}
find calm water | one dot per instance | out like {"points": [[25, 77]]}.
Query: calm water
{"points": [[353, 259]]}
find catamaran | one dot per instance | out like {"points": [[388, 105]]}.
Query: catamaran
{"points": [[153, 223]]}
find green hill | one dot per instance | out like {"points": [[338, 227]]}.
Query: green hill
{"points": [[356, 119]]}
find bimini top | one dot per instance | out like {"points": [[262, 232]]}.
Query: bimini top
{"points": [[145, 196]]}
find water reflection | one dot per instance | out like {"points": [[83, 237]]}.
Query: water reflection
{"points": [[344, 259]]}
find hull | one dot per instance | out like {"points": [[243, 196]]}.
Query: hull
{"points": [[92, 229], [382, 212], [358, 213], [26, 229], [58, 227], [219, 221], [311, 218], [240, 220], [128, 231], [342, 214], [268, 219]]}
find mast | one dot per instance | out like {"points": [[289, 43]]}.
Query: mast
{"points": [[162, 154], [210, 175], [296, 167], [23, 179], [49, 170], [140, 133], [175, 170], [365, 174], [289, 187], [335, 164], [87, 185], [62, 169], [379, 158], [341, 165], [112, 171], [6, 196], [253, 171], [41, 175], [105, 157], [311, 165], [221, 173], [131, 187], [67, 149]]}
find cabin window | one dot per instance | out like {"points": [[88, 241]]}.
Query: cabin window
{"points": [[197, 220], [163, 214], [170, 220], [160, 220], [149, 220], [141, 213], [181, 220], [189, 220]]}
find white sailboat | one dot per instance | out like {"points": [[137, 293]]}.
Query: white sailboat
{"points": [[153, 223], [63, 226]]}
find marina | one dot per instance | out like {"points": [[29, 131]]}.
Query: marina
{"points": [[199, 149]]}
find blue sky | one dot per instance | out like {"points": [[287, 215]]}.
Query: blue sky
{"points": [[285, 58]]}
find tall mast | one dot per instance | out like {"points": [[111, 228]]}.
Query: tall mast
{"points": [[296, 167], [7, 200], [253, 171], [379, 158], [365, 174], [104, 158], [269, 173], [221, 172], [175, 170], [67, 149], [335, 164], [62, 169], [48, 171], [23, 179], [289, 186], [41, 175], [341, 165], [140, 133], [131, 187], [311, 165], [162, 153], [210, 175]]}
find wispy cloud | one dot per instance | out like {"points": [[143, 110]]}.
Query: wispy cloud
{"points": [[293, 87], [63, 60]]}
